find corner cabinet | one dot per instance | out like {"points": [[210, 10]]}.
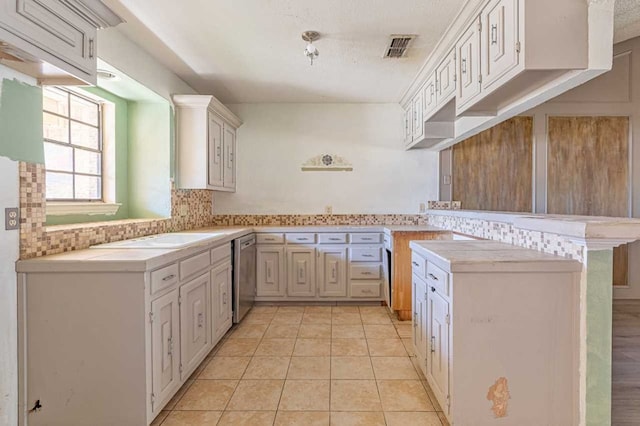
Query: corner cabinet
{"points": [[206, 143], [505, 316], [60, 33]]}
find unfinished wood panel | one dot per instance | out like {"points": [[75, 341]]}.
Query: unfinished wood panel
{"points": [[588, 172], [588, 166], [493, 169], [401, 268]]}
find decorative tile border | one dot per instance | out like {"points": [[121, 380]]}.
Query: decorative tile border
{"points": [[329, 220]]}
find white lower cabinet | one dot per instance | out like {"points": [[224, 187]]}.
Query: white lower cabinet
{"points": [[495, 332], [301, 271], [270, 276], [331, 265], [165, 356], [332, 271], [221, 300], [195, 323], [118, 361]]}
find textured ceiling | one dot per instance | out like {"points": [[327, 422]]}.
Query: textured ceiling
{"points": [[627, 20], [251, 50]]}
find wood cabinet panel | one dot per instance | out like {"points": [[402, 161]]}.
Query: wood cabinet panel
{"points": [[493, 170]]}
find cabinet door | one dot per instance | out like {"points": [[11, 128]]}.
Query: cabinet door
{"points": [[301, 272], [195, 323], [418, 120], [221, 300], [229, 172], [438, 362], [165, 360], [55, 29], [499, 39], [468, 54], [420, 320], [270, 271], [216, 164], [332, 271], [446, 77], [429, 94], [408, 126]]}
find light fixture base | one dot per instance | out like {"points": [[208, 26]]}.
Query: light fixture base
{"points": [[310, 36]]}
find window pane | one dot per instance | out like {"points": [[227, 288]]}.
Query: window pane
{"points": [[84, 135], [87, 162], [88, 188], [84, 110], [59, 186], [55, 100], [58, 157], [55, 128]]}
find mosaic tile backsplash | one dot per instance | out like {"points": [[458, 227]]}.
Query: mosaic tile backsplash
{"points": [[36, 239]]}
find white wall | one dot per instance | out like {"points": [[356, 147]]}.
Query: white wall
{"points": [[276, 139]]}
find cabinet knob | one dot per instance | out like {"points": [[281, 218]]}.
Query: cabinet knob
{"points": [[494, 34], [433, 277], [433, 289], [463, 66]]}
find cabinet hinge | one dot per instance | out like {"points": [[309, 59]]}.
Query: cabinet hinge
{"points": [[180, 369], [517, 47], [455, 78], [179, 300], [448, 400], [153, 398], [455, 55], [150, 316], [479, 25], [480, 79], [448, 319]]}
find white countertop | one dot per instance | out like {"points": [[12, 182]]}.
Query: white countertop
{"points": [[488, 256], [140, 260]]}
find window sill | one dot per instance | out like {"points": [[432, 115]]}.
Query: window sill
{"points": [[69, 208]]}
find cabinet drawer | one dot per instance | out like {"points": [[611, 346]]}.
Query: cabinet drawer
{"points": [[164, 277], [194, 264], [340, 238], [418, 265], [221, 253], [301, 238], [270, 238], [366, 238], [365, 272], [365, 289], [358, 254], [438, 279]]}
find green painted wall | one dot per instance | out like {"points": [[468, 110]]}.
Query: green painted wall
{"points": [[122, 171], [21, 122], [149, 159], [599, 336]]}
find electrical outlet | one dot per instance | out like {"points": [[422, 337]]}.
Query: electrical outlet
{"points": [[11, 218], [423, 208], [446, 180], [328, 210]]}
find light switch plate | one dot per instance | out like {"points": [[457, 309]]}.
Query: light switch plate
{"points": [[11, 218]]}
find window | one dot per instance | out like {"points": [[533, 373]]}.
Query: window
{"points": [[72, 129]]}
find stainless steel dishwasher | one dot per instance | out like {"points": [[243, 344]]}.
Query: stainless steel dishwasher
{"points": [[244, 276]]}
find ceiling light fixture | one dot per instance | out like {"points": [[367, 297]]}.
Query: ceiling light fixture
{"points": [[311, 51]]}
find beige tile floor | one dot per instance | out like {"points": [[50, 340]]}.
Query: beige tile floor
{"points": [[311, 366]]}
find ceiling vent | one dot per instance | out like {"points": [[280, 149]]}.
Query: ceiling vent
{"points": [[398, 45]]}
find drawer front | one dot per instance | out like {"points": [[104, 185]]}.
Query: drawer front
{"points": [[387, 241], [194, 264], [221, 253], [438, 279], [366, 238], [365, 272], [418, 265], [338, 238], [270, 238], [301, 238], [358, 254], [365, 289], [164, 277]]}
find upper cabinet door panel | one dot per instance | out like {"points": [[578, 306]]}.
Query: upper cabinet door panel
{"points": [[408, 124], [216, 136], [54, 28], [446, 73], [418, 121], [230, 157], [468, 54], [499, 37], [429, 95]]}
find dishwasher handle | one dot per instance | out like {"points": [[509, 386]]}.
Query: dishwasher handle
{"points": [[247, 244]]}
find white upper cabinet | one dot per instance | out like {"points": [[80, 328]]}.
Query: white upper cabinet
{"points": [[60, 33], [418, 121], [206, 143], [500, 45], [468, 53], [408, 124], [446, 79], [429, 94]]}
